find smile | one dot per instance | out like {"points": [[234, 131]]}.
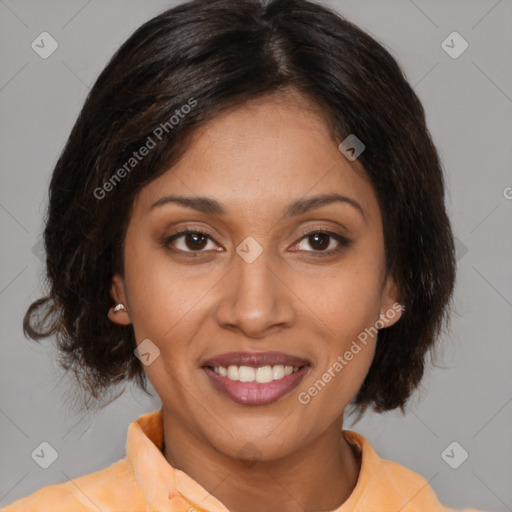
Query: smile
{"points": [[255, 378], [263, 375]]}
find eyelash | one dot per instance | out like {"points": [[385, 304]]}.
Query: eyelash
{"points": [[343, 241]]}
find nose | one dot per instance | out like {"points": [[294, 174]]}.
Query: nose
{"points": [[256, 298]]}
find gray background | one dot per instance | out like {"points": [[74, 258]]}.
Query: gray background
{"points": [[468, 100]]}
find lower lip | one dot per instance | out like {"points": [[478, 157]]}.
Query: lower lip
{"points": [[255, 393]]}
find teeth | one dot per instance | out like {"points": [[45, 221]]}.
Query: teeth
{"points": [[246, 374], [278, 371], [262, 375], [232, 373]]}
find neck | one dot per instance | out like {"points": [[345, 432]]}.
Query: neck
{"points": [[319, 476]]}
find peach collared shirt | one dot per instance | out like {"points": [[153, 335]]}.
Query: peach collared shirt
{"points": [[144, 481]]}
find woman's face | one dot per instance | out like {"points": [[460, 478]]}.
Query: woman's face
{"points": [[251, 289]]}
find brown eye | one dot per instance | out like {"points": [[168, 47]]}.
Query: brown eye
{"points": [[319, 241], [322, 242], [195, 241], [189, 241]]}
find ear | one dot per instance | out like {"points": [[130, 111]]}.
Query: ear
{"points": [[118, 294], [391, 309]]}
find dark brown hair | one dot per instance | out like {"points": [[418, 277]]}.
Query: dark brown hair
{"points": [[218, 54]]}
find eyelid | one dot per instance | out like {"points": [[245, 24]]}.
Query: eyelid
{"points": [[183, 231], [343, 241], [316, 229]]}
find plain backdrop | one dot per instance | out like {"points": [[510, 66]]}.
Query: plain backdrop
{"points": [[466, 399]]}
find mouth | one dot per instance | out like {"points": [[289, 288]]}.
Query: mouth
{"points": [[255, 378]]}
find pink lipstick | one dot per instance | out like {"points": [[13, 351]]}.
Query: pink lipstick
{"points": [[252, 378]]}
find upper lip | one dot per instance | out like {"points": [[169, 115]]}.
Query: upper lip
{"points": [[255, 359]]}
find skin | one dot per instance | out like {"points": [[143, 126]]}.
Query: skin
{"points": [[255, 160]]}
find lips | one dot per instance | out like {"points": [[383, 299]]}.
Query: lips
{"points": [[276, 373], [255, 360]]}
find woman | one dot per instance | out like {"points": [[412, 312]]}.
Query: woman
{"points": [[249, 213]]}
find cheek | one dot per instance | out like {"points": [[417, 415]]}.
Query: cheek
{"points": [[169, 307], [348, 299], [345, 311], [335, 382], [159, 295]]}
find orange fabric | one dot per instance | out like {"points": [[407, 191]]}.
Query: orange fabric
{"points": [[145, 481]]}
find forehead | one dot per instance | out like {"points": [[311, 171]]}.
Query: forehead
{"points": [[266, 152]]}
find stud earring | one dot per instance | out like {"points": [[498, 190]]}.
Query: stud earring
{"points": [[120, 307]]}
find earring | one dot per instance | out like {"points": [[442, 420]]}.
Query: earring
{"points": [[120, 307]]}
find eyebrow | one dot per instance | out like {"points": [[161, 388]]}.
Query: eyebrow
{"points": [[303, 205]]}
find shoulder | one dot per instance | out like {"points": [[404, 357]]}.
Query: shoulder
{"points": [[115, 485], [53, 497], [390, 486], [415, 492]]}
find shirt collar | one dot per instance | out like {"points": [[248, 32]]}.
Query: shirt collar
{"points": [[166, 487]]}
